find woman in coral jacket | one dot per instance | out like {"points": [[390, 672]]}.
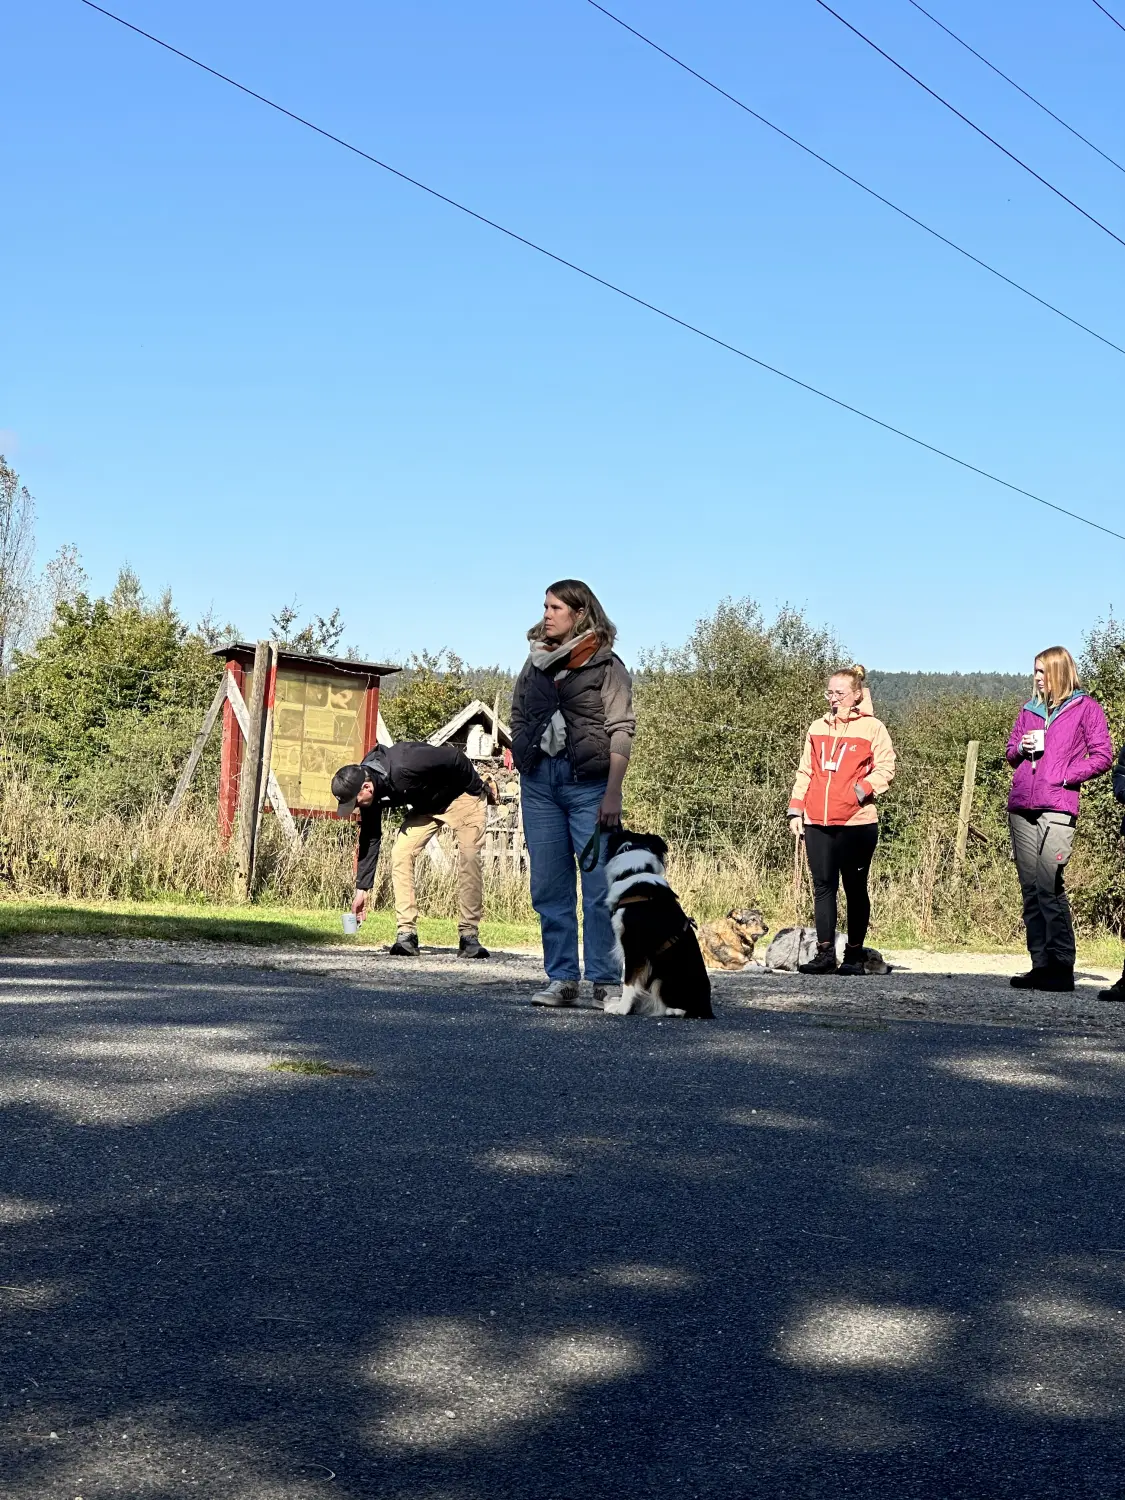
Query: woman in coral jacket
{"points": [[1059, 740], [848, 760]]}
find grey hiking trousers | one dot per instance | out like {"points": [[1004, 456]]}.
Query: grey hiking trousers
{"points": [[1041, 845]]}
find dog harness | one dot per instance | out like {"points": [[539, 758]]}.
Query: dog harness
{"points": [[676, 937]]}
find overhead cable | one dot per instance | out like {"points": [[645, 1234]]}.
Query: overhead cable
{"points": [[601, 281], [1109, 13], [961, 42], [855, 181], [991, 139]]}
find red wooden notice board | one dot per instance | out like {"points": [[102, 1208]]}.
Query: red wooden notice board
{"points": [[325, 715]]}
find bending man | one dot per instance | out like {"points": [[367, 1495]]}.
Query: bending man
{"points": [[439, 785]]}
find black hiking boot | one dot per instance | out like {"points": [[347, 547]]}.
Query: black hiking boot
{"points": [[1115, 991], [853, 960], [405, 945], [1032, 980], [470, 947], [1059, 978], [823, 963]]}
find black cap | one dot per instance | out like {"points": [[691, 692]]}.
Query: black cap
{"points": [[346, 786]]}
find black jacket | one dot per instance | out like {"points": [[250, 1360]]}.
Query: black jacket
{"points": [[425, 778], [578, 694], [1119, 776]]}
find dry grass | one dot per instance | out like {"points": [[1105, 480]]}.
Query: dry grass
{"points": [[51, 850]]}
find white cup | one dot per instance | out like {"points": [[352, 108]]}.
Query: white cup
{"points": [[351, 923], [1038, 739]]}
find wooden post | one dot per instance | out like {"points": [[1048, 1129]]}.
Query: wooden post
{"points": [[201, 739], [496, 725], [968, 786], [251, 774], [267, 735]]}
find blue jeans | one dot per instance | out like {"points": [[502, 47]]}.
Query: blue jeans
{"points": [[559, 815]]}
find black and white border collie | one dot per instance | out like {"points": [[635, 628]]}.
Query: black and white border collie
{"points": [[663, 967]]}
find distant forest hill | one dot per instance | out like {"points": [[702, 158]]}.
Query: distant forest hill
{"points": [[899, 689]]}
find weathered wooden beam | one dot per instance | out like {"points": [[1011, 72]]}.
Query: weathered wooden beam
{"points": [[968, 786], [210, 718], [251, 775]]}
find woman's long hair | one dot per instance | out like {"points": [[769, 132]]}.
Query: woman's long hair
{"points": [[581, 598], [1061, 671]]}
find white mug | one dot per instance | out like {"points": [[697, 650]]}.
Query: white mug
{"points": [[351, 923], [1038, 739]]}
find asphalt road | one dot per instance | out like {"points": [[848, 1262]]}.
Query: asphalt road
{"points": [[531, 1254]]}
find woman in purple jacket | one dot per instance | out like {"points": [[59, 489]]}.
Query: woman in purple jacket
{"points": [[1059, 740]]}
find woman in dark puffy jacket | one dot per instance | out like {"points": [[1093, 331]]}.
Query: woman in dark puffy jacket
{"points": [[1059, 740], [1117, 991], [572, 733]]}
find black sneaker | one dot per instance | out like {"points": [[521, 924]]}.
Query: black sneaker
{"points": [[853, 960], [1059, 979], [1115, 991], [823, 963], [405, 945], [470, 947], [1032, 980]]}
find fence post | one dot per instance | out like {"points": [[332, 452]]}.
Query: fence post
{"points": [[252, 772], [968, 786]]}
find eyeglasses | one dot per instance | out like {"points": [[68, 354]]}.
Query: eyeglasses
{"points": [[831, 697]]}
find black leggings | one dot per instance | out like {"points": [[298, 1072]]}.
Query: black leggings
{"points": [[844, 853]]}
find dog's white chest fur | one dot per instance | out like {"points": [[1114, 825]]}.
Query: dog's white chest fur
{"points": [[631, 868]]}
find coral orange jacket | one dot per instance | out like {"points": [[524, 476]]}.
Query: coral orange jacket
{"points": [[848, 760]]}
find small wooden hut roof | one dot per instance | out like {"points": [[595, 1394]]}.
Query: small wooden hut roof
{"points": [[474, 710]]}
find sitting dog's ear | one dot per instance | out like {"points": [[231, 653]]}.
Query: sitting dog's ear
{"points": [[658, 847]]}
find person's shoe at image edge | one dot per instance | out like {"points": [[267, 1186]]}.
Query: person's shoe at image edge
{"points": [[823, 963], [558, 993], [405, 945], [469, 946], [1116, 991], [853, 960]]}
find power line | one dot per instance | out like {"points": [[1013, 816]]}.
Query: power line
{"points": [[601, 280], [1112, 17], [1018, 87], [960, 249], [1058, 192]]}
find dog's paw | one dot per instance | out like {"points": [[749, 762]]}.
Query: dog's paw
{"points": [[621, 1005], [679, 1014]]}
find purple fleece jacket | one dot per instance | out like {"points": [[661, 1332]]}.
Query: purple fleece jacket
{"points": [[1076, 748]]}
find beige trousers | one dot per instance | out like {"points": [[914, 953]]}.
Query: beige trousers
{"points": [[466, 816]]}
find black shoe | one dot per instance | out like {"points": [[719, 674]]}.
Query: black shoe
{"points": [[405, 945], [1032, 980], [853, 960], [470, 947], [823, 963], [1115, 991], [1059, 979]]}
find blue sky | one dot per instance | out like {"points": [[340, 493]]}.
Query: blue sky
{"points": [[256, 368]]}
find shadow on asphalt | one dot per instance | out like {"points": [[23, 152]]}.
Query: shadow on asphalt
{"points": [[543, 1255]]}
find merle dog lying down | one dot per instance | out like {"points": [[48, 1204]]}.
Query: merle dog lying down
{"points": [[663, 967]]}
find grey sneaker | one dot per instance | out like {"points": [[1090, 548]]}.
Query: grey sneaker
{"points": [[558, 992], [604, 992]]}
